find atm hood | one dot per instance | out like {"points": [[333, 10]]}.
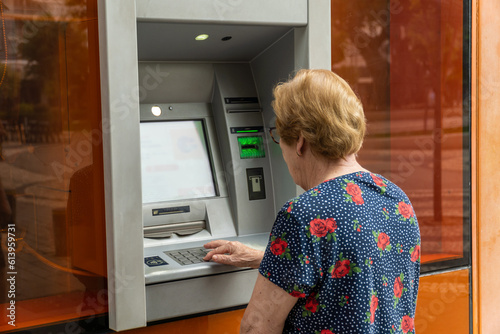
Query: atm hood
{"points": [[167, 41]]}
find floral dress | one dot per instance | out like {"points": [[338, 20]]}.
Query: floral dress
{"points": [[349, 249]]}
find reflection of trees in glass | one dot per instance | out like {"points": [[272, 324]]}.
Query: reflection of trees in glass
{"points": [[55, 47], [9, 93], [425, 41], [435, 46], [79, 88], [360, 35], [418, 52], [40, 84]]}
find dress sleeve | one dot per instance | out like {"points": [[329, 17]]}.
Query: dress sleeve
{"points": [[291, 261]]}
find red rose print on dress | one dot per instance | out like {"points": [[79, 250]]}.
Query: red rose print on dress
{"points": [[304, 259], [357, 226], [398, 289], [289, 209], [405, 211], [319, 228], [385, 213], [297, 292], [279, 247], [312, 305], [383, 241], [354, 192], [314, 192], [370, 316], [374, 303], [343, 267], [325, 331], [358, 200], [331, 225], [344, 300], [353, 189], [407, 324], [373, 308], [379, 182], [415, 253]]}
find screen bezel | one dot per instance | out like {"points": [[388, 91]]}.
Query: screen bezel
{"points": [[198, 206]]}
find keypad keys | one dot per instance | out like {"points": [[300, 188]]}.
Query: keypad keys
{"points": [[188, 256]]}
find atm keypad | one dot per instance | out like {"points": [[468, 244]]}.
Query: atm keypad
{"points": [[188, 256]]}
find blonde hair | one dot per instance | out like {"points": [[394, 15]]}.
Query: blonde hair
{"points": [[320, 105]]}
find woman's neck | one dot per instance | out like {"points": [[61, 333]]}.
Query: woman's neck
{"points": [[318, 170]]}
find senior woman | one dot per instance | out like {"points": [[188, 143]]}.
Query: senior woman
{"points": [[344, 256]]}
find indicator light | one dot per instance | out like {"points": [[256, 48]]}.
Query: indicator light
{"points": [[247, 131], [155, 110], [201, 37]]}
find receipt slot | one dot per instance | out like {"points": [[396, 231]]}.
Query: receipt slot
{"points": [[187, 155], [256, 184]]}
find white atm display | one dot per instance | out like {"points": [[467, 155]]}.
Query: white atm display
{"points": [[175, 163]]}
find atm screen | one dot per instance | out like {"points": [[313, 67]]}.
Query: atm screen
{"points": [[175, 162]]}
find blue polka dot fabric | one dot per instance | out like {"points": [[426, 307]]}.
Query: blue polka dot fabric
{"points": [[349, 250]]}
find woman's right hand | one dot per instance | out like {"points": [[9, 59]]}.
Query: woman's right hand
{"points": [[233, 253]]}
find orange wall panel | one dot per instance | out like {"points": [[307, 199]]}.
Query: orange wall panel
{"points": [[443, 303], [221, 323], [485, 161]]}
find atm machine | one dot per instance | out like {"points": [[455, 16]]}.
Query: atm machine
{"points": [[187, 153], [206, 174]]}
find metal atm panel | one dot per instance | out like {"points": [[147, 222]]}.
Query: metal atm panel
{"points": [[241, 208]]}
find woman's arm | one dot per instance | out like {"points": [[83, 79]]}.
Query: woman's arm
{"points": [[268, 309], [233, 253], [269, 306]]}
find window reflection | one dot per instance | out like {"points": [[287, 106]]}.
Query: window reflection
{"points": [[405, 60], [51, 161]]}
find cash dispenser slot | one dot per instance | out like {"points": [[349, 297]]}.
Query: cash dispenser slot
{"points": [[166, 231]]}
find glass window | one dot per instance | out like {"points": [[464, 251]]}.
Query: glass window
{"points": [[409, 63], [52, 205]]}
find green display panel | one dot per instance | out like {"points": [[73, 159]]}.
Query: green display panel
{"points": [[251, 147]]}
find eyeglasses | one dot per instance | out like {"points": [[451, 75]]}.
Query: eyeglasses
{"points": [[274, 135]]}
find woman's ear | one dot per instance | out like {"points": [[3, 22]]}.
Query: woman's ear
{"points": [[300, 145]]}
